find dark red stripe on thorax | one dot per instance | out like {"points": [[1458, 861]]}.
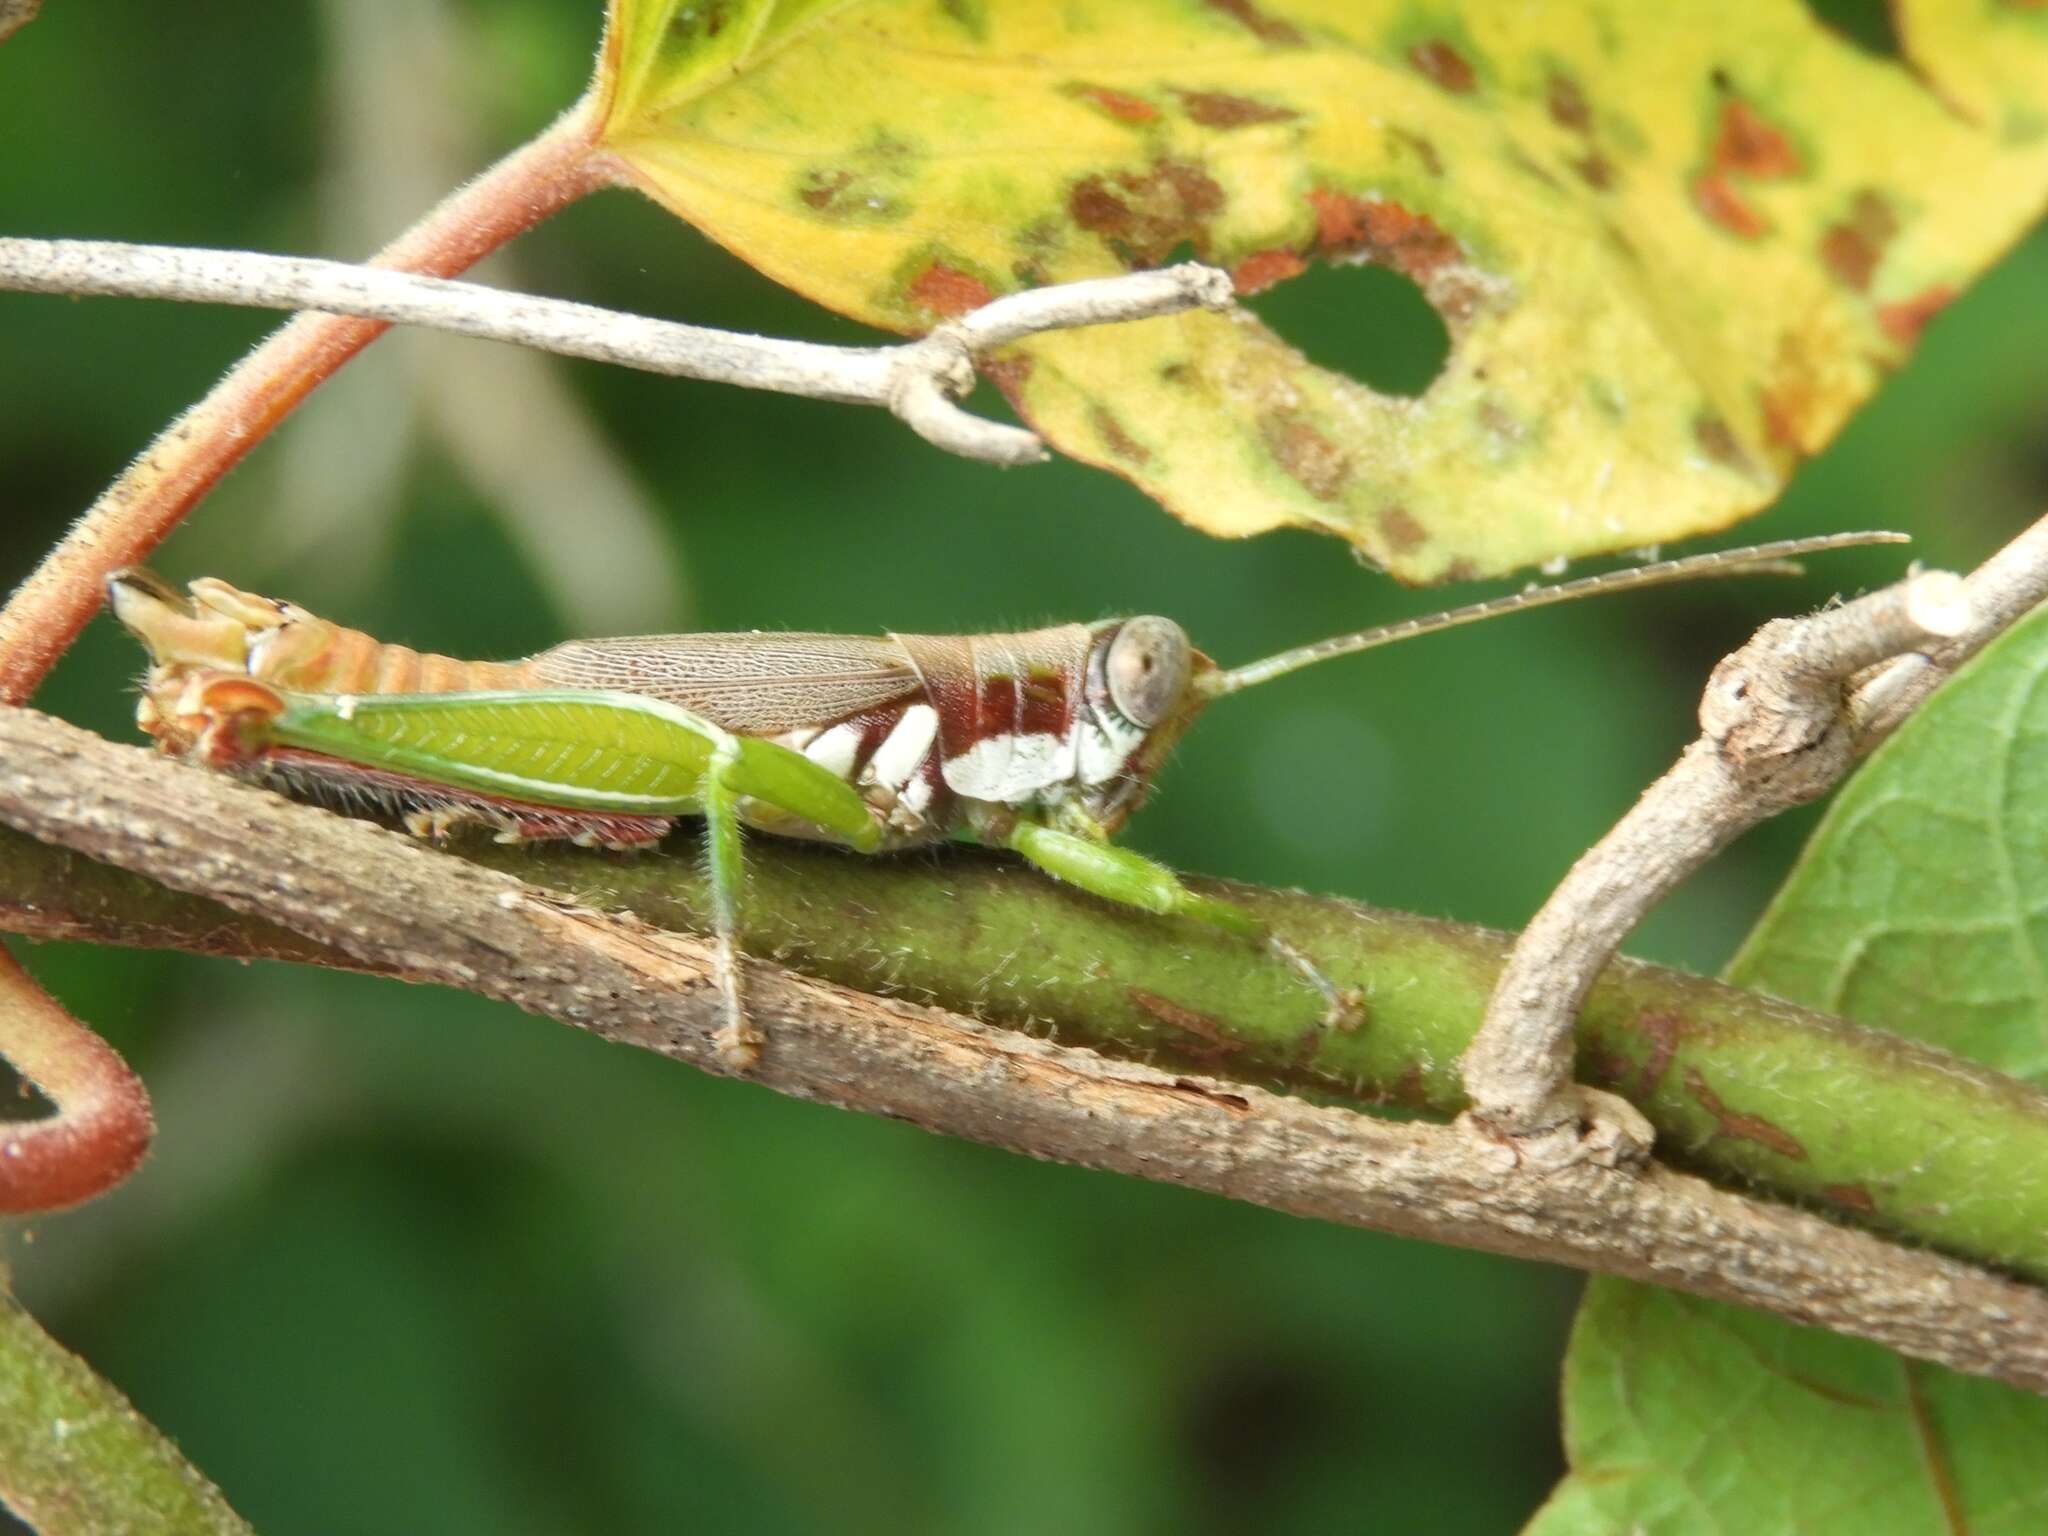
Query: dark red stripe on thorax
{"points": [[992, 685]]}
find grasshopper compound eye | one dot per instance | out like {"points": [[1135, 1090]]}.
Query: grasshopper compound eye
{"points": [[1147, 669]]}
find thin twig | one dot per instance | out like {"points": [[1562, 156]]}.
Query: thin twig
{"points": [[365, 892], [1782, 720], [918, 380]]}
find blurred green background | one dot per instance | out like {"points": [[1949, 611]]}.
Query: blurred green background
{"points": [[404, 1259]]}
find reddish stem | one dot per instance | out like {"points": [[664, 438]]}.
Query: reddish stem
{"points": [[135, 513], [102, 1125]]}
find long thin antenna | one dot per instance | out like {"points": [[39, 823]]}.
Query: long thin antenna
{"points": [[1753, 559]]}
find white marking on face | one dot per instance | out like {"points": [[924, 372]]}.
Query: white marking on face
{"points": [[899, 757], [835, 750], [1010, 767], [1106, 744]]}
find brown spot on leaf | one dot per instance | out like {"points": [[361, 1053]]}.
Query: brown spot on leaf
{"points": [[1116, 439], [1123, 107], [1741, 1127], [1719, 201], [1262, 269], [1445, 65], [1142, 218], [1905, 320], [697, 21], [1718, 443], [821, 189], [1500, 423], [1267, 29], [1008, 374], [1380, 231], [1748, 146], [1567, 104], [1403, 534], [1850, 1197], [947, 290], [1595, 170], [1097, 209], [1219, 109], [1852, 249], [1216, 1040], [1420, 147], [1532, 169], [1311, 458]]}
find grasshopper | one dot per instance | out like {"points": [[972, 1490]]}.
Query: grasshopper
{"points": [[1042, 742]]}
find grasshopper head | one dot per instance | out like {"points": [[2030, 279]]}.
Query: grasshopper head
{"points": [[1145, 679]]}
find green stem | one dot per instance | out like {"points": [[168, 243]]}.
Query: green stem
{"points": [[75, 1457], [1740, 1086]]}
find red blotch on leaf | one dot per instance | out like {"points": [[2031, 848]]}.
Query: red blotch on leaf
{"points": [[1905, 320], [1749, 146], [1262, 269], [1119, 105], [1381, 231], [1719, 201], [1784, 413], [947, 290]]}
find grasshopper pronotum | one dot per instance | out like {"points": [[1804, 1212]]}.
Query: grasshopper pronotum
{"points": [[1042, 742]]}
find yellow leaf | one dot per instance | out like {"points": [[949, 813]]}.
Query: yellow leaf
{"points": [[1674, 245]]}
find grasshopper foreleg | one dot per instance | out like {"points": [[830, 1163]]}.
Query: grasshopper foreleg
{"points": [[1132, 880]]}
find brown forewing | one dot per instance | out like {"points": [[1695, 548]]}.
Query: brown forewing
{"points": [[758, 684]]}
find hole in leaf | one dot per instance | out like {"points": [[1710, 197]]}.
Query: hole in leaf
{"points": [[1370, 323], [1866, 23]]}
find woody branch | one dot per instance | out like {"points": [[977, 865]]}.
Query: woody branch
{"points": [[1782, 720], [360, 891], [919, 380]]}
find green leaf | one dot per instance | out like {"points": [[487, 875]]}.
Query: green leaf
{"points": [[76, 1459], [1673, 246], [1686, 1416], [1920, 906]]}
